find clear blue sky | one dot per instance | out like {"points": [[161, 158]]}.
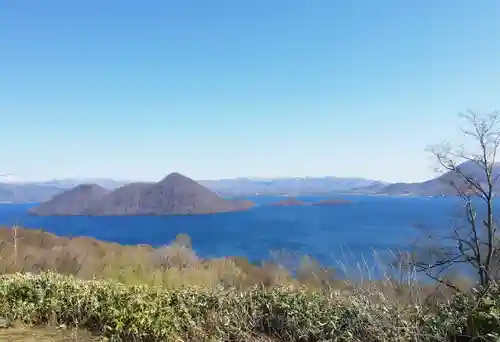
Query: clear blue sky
{"points": [[212, 89]]}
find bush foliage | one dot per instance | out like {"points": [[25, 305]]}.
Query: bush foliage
{"points": [[145, 313]]}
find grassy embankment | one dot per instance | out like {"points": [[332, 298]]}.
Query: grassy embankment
{"points": [[169, 294]]}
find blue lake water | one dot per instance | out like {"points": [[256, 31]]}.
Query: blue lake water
{"points": [[327, 233]]}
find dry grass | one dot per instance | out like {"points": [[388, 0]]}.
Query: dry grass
{"points": [[174, 265]]}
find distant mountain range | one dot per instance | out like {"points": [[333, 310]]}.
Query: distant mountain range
{"points": [[14, 191], [17, 192], [25, 193], [72, 182], [441, 186], [286, 186], [173, 195]]}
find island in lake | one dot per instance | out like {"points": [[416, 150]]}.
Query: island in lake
{"points": [[289, 202], [174, 195]]}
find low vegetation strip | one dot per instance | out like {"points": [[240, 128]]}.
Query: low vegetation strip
{"points": [[143, 313], [197, 314]]}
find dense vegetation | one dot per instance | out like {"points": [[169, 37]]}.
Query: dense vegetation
{"points": [[169, 293]]}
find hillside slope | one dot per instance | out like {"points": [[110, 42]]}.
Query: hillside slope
{"points": [[173, 195], [440, 185], [71, 202], [122, 201]]}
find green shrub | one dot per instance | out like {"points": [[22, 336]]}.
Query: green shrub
{"points": [[473, 316], [129, 312]]}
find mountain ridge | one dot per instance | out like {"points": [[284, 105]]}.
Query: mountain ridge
{"points": [[28, 193], [16, 192], [438, 186], [173, 195], [41, 191], [291, 186], [75, 201]]}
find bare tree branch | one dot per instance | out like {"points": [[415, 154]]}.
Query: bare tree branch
{"points": [[472, 175]]}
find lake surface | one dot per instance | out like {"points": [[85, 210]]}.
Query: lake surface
{"points": [[328, 233]]}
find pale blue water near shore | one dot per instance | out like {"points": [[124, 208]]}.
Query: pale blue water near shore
{"points": [[328, 233]]}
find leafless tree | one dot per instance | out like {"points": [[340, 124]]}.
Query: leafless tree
{"points": [[471, 174]]}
